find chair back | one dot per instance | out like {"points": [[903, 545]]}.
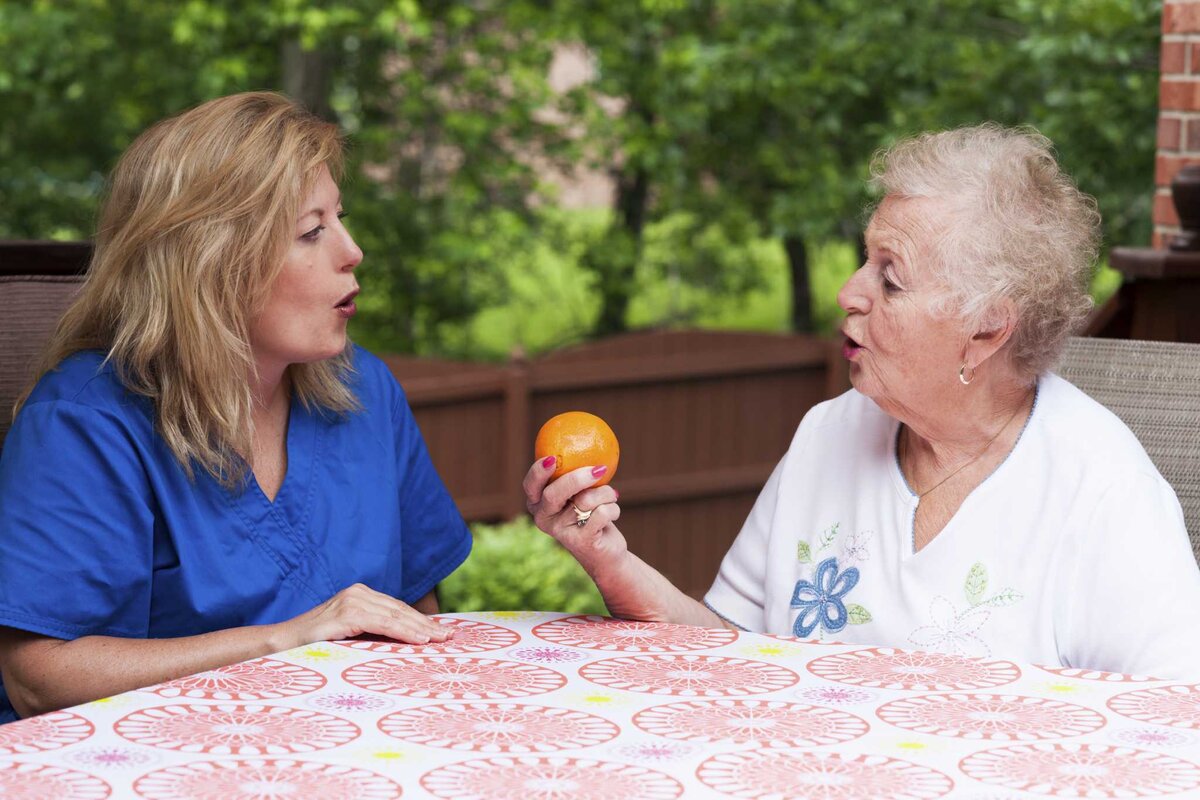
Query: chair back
{"points": [[1154, 387], [38, 280]]}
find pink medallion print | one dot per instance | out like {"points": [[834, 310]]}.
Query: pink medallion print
{"points": [[46, 732], [622, 636], [834, 695], [548, 778], [768, 723], [454, 678], [1177, 706], [1096, 675], [1082, 770], [888, 668], [470, 636], [1002, 717], [230, 729], [21, 781], [548, 655], [350, 701], [820, 776], [260, 679], [499, 728], [260, 779], [689, 675], [111, 757]]}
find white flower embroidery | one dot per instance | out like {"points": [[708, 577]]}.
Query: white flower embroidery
{"points": [[856, 547], [953, 631]]}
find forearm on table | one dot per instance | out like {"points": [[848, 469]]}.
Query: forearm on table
{"points": [[43, 674], [632, 589]]}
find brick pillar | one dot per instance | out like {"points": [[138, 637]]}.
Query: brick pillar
{"points": [[1178, 108]]}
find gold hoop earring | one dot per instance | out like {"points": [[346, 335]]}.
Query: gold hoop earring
{"points": [[962, 374]]}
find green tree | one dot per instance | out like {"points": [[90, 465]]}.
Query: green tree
{"points": [[440, 99]]}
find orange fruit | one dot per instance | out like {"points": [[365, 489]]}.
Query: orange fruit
{"points": [[578, 439]]}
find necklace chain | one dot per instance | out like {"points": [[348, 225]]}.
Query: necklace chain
{"points": [[968, 462]]}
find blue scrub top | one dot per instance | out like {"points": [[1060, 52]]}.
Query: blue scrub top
{"points": [[102, 532]]}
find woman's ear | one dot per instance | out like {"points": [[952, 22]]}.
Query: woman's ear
{"points": [[994, 332]]}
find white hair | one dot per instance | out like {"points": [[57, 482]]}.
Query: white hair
{"points": [[1016, 229]]}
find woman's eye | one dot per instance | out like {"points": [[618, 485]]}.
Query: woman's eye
{"points": [[888, 285], [313, 234]]}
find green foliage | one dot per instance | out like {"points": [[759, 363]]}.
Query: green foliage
{"points": [[515, 566], [729, 125]]}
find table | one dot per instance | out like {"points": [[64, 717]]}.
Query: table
{"points": [[534, 706]]}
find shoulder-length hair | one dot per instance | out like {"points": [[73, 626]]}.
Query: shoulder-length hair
{"points": [[198, 217]]}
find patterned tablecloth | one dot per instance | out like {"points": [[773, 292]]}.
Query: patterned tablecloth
{"points": [[532, 706]]}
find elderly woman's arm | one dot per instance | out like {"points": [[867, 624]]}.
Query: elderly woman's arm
{"points": [[631, 588], [44, 674]]}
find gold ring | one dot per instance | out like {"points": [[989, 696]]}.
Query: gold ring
{"points": [[581, 517]]}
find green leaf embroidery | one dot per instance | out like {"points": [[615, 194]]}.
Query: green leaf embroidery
{"points": [[976, 584], [828, 535], [858, 614], [1005, 597], [803, 553]]}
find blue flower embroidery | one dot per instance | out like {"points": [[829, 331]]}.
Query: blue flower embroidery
{"points": [[820, 600]]}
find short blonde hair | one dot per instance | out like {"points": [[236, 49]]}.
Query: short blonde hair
{"points": [[1016, 228], [199, 214]]}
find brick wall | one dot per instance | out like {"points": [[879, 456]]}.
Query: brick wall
{"points": [[1178, 108]]}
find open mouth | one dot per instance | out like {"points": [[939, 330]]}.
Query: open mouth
{"points": [[346, 306], [850, 347]]}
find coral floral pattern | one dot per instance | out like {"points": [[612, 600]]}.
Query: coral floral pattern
{"points": [[764, 722], [20, 781], [545, 706], [828, 776], [454, 678], [601, 633], [1004, 717], [470, 636], [230, 729], [499, 728], [689, 675], [549, 778], [886, 668], [1082, 770], [1177, 706], [260, 679], [259, 779], [47, 732]]}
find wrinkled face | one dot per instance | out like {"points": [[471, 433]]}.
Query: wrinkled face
{"points": [[902, 354], [312, 299]]}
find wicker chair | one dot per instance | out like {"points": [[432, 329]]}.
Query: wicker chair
{"points": [[37, 283], [1154, 387]]}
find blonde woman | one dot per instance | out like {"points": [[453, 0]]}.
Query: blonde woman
{"points": [[206, 470]]}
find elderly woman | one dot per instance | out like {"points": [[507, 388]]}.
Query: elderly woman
{"points": [[961, 497], [206, 470]]}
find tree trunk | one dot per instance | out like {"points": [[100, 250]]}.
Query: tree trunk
{"points": [[306, 77], [618, 266], [797, 254]]}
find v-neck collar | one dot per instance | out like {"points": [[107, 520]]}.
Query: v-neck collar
{"points": [[910, 498]]}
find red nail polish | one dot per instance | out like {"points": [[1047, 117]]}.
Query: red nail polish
{"points": [[599, 471], [547, 462]]}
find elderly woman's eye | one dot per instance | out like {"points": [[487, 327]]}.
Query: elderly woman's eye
{"points": [[888, 285]]}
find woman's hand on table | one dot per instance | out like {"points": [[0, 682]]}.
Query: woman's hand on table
{"points": [[360, 610], [553, 508]]}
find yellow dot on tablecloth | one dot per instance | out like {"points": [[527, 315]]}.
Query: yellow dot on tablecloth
{"points": [[912, 745], [1062, 688], [389, 755]]}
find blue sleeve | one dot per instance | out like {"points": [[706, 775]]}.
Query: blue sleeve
{"points": [[76, 525], [434, 538]]}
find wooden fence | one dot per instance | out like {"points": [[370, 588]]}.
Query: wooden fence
{"points": [[703, 417]]}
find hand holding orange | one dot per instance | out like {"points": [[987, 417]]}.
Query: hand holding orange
{"points": [[578, 439]]}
